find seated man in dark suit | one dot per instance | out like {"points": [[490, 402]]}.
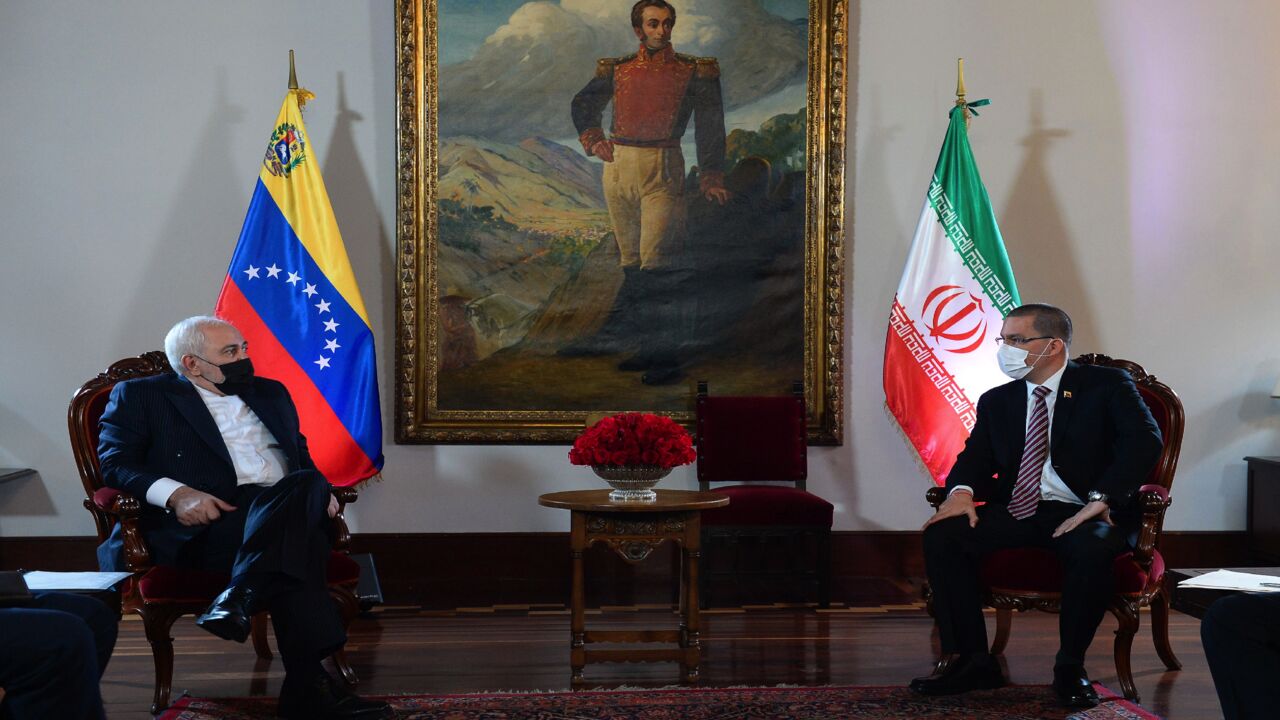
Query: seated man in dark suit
{"points": [[1051, 455], [216, 454], [54, 649], [1241, 635]]}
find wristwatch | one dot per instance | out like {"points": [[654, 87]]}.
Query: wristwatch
{"points": [[1096, 496]]}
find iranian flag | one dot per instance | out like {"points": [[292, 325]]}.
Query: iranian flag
{"points": [[955, 291]]}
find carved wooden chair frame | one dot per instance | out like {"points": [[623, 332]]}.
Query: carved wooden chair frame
{"points": [[1153, 500], [158, 616]]}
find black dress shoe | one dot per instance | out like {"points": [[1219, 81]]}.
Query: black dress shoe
{"points": [[326, 699], [1072, 686], [980, 672], [228, 617]]}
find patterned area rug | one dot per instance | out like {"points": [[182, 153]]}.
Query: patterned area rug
{"points": [[1019, 702]]}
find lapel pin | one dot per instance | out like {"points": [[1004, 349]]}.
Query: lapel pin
{"points": [[1066, 393]]}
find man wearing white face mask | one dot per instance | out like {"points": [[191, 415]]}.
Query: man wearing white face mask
{"points": [[1053, 455]]}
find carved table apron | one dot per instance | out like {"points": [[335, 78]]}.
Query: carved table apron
{"points": [[633, 530]]}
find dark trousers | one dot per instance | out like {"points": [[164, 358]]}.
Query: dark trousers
{"points": [[52, 654], [954, 552], [278, 541], [1241, 635]]}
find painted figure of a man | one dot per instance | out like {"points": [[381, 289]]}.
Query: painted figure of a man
{"points": [[654, 92]]}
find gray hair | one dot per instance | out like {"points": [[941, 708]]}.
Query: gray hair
{"points": [[187, 338]]}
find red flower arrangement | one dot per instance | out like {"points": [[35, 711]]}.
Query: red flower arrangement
{"points": [[631, 439]]}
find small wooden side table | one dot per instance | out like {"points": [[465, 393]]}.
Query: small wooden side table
{"points": [[633, 530]]}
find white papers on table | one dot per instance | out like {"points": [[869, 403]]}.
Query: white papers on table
{"points": [[42, 580], [1232, 580]]}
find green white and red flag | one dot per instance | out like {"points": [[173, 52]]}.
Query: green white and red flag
{"points": [[955, 291]]}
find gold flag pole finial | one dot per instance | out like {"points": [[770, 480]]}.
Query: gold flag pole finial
{"points": [[960, 103], [293, 74]]}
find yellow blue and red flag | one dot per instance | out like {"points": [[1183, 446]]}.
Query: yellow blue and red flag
{"points": [[291, 292]]}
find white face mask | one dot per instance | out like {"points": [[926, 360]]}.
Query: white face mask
{"points": [[1013, 360]]}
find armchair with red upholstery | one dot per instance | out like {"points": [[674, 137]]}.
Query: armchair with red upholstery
{"points": [[161, 594], [1031, 578], [772, 542]]}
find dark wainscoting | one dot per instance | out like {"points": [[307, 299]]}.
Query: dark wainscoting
{"points": [[444, 571]]}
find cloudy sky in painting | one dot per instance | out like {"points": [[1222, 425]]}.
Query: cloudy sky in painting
{"points": [[510, 67]]}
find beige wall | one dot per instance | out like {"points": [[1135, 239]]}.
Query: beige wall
{"points": [[1130, 153]]}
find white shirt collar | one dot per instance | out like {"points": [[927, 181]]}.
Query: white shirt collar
{"points": [[1052, 383], [207, 395]]}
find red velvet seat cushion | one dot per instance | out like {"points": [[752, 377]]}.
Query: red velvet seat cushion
{"points": [[769, 505], [1038, 570], [167, 584]]}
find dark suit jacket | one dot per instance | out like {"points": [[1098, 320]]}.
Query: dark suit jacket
{"points": [[160, 427], [1103, 437]]}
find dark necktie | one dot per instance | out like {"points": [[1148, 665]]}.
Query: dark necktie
{"points": [[1026, 493]]}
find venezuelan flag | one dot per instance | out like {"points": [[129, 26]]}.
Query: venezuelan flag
{"points": [[291, 292]]}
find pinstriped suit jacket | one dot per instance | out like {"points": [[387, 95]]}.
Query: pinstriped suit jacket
{"points": [[160, 427]]}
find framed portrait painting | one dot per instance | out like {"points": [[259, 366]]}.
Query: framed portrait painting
{"points": [[602, 202]]}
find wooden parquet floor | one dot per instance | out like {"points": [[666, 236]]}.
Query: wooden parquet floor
{"points": [[401, 650]]}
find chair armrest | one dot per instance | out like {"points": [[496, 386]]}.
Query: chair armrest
{"points": [[341, 533], [936, 496], [1157, 489], [347, 495], [1152, 501], [119, 507]]}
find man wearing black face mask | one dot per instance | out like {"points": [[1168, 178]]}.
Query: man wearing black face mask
{"points": [[216, 455], [1052, 453]]}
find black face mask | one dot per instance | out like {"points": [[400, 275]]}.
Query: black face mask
{"points": [[237, 376]]}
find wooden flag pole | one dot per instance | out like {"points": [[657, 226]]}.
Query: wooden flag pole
{"points": [[293, 74]]}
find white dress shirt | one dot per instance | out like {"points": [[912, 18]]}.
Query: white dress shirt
{"points": [[1051, 486], [257, 457]]}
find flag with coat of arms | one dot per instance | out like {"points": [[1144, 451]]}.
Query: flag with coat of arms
{"points": [[956, 289], [291, 291]]}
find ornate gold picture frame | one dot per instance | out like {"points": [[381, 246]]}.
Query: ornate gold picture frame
{"points": [[520, 314]]}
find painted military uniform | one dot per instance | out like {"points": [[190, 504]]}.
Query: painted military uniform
{"points": [[653, 94]]}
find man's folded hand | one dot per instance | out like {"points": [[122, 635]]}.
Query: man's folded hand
{"points": [[197, 508]]}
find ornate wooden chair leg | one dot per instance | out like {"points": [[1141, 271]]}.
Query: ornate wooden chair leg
{"points": [[258, 630], [1160, 630], [348, 608], [1127, 614], [157, 621], [340, 661], [1004, 621]]}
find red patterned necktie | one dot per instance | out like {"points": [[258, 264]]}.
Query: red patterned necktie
{"points": [[1026, 493]]}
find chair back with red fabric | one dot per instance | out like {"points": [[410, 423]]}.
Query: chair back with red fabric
{"points": [[751, 439], [83, 415]]}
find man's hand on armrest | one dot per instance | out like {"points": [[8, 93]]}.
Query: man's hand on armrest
{"points": [[197, 508], [960, 502]]}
